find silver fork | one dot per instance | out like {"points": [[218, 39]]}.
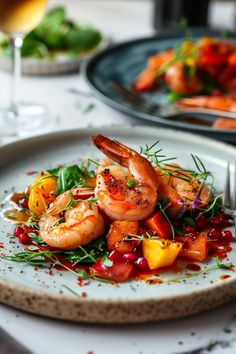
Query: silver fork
{"points": [[163, 111], [229, 195]]}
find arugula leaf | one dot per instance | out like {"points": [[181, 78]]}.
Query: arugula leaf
{"points": [[82, 274], [89, 253], [56, 32], [72, 176], [34, 48], [68, 177], [81, 39]]}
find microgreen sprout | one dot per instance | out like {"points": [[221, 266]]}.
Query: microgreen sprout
{"points": [[134, 237], [131, 183]]}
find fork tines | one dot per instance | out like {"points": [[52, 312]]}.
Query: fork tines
{"points": [[229, 195]]}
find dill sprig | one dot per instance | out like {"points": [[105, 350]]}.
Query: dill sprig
{"points": [[157, 158], [202, 174], [154, 156]]}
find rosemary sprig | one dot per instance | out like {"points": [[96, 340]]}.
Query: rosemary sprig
{"points": [[157, 159]]}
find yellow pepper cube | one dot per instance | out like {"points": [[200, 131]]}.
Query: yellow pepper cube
{"points": [[42, 193], [160, 252]]}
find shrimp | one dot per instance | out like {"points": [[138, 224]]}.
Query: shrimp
{"points": [[222, 103], [149, 77], [224, 123], [125, 195], [61, 202], [175, 78], [81, 224], [181, 188]]}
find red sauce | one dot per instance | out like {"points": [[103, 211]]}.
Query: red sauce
{"points": [[224, 276], [193, 267], [31, 173], [155, 281]]}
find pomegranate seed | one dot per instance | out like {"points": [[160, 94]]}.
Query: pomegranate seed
{"points": [[189, 230], [220, 220], [216, 93], [129, 257], [62, 214], [214, 234], [18, 231], [23, 203], [200, 224], [226, 236], [115, 256], [24, 238], [141, 263]]}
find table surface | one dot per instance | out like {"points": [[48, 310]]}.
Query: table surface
{"points": [[120, 20]]}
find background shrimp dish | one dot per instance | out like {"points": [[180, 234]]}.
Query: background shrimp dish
{"points": [[124, 217], [195, 74]]}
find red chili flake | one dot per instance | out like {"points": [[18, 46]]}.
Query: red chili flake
{"points": [[1, 245], [84, 294], [30, 173]]}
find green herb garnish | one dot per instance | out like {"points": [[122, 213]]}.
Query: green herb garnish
{"points": [[131, 183], [56, 34]]}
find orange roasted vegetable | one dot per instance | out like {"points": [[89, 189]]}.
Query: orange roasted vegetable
{"points": [[194, 248], [158, 223], [42, 193], [117, 233]]}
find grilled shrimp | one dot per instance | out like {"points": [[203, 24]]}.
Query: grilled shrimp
{"points": [[176, 80], [125, 195], [181, 188], [80, 224], [223, 103]]}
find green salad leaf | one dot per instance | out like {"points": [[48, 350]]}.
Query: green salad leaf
{"points": [[88, 254], [56, 33], [72, 176], [68, 177]]}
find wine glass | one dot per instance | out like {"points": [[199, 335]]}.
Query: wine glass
{"points": [[17, 18]]}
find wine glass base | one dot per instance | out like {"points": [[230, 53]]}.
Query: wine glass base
{"points": [[25, 119]]}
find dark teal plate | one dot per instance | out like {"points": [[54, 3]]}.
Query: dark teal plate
{"points": [[122, 63]]}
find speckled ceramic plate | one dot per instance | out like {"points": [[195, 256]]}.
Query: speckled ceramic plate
{"points": [[60, 64], [123, 62], [47, 293]]}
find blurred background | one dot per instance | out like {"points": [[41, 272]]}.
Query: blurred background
{"points": [[56, 72]]}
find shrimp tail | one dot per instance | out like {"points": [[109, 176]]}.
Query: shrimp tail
{"points": [[113, 149]]}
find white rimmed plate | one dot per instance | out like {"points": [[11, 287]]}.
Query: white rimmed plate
{"points": [[40, 292]]}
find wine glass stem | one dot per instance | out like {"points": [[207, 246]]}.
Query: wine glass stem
{"points": [[16, 44]]}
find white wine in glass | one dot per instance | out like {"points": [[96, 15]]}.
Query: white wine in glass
{"points": [[17, 18]]}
